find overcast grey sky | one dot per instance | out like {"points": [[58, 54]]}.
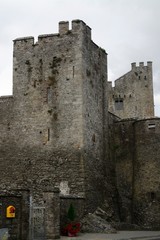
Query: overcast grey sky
{"points": [[129, 31]]}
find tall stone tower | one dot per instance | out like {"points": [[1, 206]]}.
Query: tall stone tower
{"points": [[59, 88], [132, 96], [55, 124]]}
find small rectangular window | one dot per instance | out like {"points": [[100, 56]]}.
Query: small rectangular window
{"points": [[151, 125], [119, 104]]}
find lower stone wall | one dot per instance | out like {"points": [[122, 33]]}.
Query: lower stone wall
{"points": [[134, 150], [146, 195], [122, 152], [52, 214]]}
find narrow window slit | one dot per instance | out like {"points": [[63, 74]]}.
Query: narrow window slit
{"points": [[48, 134]]}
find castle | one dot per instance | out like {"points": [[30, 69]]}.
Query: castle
{"points": [[68, 136]]}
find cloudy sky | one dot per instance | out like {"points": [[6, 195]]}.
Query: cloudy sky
{"points": [[129, 31]]}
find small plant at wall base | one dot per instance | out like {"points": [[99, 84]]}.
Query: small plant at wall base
{"points": [[71, 213], [72, 228]]}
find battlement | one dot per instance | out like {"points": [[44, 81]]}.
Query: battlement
{"points": [[78, 26], [141, 64], [6, 98]]}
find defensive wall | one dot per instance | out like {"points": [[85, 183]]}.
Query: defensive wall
{"points": [[135, 155]]}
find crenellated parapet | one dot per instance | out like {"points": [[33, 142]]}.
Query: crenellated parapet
{"points": [[24, 42], [42, 61], [141, 65], [77, 27]]}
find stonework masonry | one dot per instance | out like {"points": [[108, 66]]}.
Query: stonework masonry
{"points": [[135, 151], [59, 144]]}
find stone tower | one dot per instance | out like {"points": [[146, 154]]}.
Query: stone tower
{"points": [[60, 102], [132, 96], [53, 130]]}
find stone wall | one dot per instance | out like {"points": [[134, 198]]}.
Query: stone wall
{"points": [[134, 149], [146, 196], [123, 156], [95, 124], [132, 95], [113, 192]]}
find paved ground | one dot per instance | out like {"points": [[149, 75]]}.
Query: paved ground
{"points": [[121, 235]]}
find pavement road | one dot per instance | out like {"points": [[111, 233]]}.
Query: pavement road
{"points": [[121, 235]]}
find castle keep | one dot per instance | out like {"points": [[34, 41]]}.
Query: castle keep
{"points": [[67, 136]]}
